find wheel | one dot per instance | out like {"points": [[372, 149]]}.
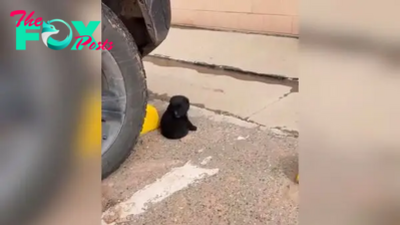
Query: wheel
{"points": [[124, 93]]}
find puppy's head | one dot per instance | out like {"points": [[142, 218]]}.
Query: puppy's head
{"points": [[179, 105]]}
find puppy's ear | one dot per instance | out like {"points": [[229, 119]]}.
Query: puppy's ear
{"points": [[170, 107]]}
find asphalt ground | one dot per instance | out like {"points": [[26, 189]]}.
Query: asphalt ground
{"points": [[229, 171]]}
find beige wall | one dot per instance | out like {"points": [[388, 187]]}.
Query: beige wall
{"points": [[261, 16]]}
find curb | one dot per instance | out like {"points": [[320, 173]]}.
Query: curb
{"points": [[223, 67], [193, 27]]}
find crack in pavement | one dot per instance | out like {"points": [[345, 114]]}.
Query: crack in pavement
{"points": [[269, 104]]}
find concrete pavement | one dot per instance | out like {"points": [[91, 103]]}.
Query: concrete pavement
{"points": [[228, 172], [265, 101], [253, 77], [261, 54]]}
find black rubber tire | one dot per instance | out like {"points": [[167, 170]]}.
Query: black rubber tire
{"points": [[126, 55]]}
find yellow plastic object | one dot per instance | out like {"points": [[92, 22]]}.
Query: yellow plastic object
{"points": [[89, 133], [151, 121], [297, 178]]}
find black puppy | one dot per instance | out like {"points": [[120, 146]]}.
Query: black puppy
{"points": [[175, 123]]}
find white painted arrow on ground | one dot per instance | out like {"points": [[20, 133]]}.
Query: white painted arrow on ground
{"points": [[177, 179]]}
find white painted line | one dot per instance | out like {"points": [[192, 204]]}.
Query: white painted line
{"points": [[206, 160], [177, 179], [243, 138]]}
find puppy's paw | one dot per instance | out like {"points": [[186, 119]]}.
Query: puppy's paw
{"points": [[193, 128]]}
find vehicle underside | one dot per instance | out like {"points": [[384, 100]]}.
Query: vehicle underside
{"points": [[148, 21]]}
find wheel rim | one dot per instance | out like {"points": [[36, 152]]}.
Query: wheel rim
{"points": [[113, 101]]}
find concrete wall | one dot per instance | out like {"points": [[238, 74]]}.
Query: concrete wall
{"points": [[260, 16]]}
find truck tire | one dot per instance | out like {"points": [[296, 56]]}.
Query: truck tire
{"points": [[124, 93]]}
